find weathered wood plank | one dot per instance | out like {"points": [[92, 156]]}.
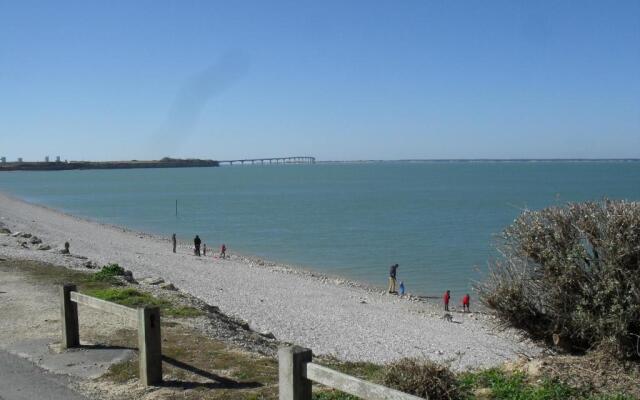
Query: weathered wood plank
{"points": [[354, 386], [69, 317], [130, 315]]}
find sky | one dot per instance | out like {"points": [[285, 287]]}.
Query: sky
{"points": [[338, 80]]}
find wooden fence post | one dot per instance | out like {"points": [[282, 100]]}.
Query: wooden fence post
{"points": [[69, 317], [292, 363], [149, 345]]}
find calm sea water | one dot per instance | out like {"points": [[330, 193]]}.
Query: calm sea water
{"points": [[437, 220]]}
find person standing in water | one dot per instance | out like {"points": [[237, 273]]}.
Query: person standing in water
{"points": [[196, 245], [173, 240], [392, 278]]}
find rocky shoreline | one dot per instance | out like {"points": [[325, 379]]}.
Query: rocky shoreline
{"points": [[331, 315]]}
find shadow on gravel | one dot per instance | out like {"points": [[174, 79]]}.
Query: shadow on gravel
{"points": [[102, 347], [220, 381]]}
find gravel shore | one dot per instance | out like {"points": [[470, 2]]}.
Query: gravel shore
{"points": [[329, 315]]}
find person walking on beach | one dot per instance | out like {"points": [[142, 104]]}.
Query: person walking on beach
{"points": [[392, 278], [196, 245], [204, 249], [223, 251], [173, 241], [445, 299], [465, 303]]}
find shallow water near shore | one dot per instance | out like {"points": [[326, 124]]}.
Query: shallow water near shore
{"points": [[437, 220]]}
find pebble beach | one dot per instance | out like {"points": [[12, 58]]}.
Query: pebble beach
{"points": [[330, 315]]}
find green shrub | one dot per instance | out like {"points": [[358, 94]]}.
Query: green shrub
{"points": [[572, 272], [132, 298], [108, 272], [422, 378], [503, 385]]}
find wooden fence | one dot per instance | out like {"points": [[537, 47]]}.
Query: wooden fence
{"points": [[145, 319], [297, 372]]}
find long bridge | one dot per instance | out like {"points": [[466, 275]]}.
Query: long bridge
{"points": [[272, 160]]}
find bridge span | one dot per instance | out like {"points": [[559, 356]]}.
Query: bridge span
{"points": [[271, 160]]}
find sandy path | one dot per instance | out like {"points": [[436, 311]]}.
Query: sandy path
{"points": [[350, 323]]}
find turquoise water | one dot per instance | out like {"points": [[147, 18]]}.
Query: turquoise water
{"points": [[437, 220]]}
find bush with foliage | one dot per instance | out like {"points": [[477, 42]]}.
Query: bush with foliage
{"points": [[422, 378], [572, 273], [108, 272]]}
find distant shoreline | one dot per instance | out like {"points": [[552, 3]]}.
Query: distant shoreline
{"points": [[88, 165], [479, 160]]}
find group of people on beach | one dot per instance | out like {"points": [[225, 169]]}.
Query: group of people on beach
{"points": [[393, 271], [197, 243]]}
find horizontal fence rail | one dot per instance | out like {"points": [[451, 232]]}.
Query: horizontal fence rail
{"points": [[352, 385], [145, 319], [130, 315], [297, 372]]}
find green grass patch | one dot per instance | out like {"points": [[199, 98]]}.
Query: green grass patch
{"points": [[123, 372], [108, 273], [133, 298], [333, 395], [514, 386]]}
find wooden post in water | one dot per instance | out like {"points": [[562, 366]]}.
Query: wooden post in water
{"points": [[176, 207]]}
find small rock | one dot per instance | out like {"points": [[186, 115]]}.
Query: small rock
{"points": [[167, 286], [35, 240], [90, 265], [25, 235], [152, 281], [268, 335], [16, 234], [5, 230], [63, 251], [44, 247]]}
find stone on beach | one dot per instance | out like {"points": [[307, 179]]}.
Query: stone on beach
{"points": [[167, 286], [152, 281]]}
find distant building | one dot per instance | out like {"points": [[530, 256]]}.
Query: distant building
{"points": [[46, 159], [57, 158], [19, 159]]}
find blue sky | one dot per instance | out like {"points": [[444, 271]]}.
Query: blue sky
{"points": [[338, 80]]}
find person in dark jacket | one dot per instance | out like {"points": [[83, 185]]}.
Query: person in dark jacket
{"points": [[196, 244], [392, 278], [174, 242]]}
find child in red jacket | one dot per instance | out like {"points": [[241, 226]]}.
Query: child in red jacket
{"points": [[465, 303], [446, 298]]}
